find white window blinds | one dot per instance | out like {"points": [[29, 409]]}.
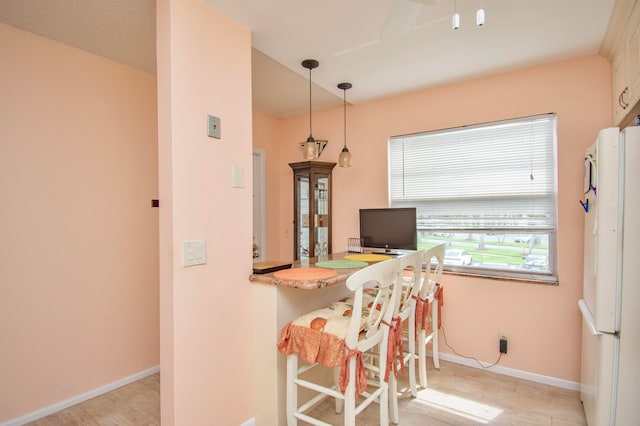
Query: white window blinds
{"points": [[494, 176]]}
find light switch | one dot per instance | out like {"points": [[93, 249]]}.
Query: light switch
{"points": [[237, 177], [213, 126], [194, 252]]}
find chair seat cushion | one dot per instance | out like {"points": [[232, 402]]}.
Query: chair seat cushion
{"points": [[334, 319], [313, 346], [318, 336]]}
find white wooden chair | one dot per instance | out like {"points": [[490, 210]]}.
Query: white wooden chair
{"points": [[410, 272], [430, 293], [340, 344]]}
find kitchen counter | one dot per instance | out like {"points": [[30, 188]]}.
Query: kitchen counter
{"points": [[303, 284]]}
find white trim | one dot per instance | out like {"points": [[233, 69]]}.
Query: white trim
{"points": [[250, 422], [533, 377], [43, 412]]}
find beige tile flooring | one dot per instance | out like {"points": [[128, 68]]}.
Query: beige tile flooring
{"points": [[457, 395], [136, 404]]}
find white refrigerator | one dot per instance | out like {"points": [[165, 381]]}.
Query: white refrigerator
{"points": [[610, 367]]}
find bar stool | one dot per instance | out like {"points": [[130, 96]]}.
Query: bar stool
{"points": [[429, 301], [337, 337], [410, 272]]}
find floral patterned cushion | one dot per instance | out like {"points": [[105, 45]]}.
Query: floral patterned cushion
{"points": [[318, 336]]}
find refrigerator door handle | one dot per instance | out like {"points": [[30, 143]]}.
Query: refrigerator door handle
{"points": [[587, 316]]}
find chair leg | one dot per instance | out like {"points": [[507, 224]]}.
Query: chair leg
{"points": [[412, 357], [350, 396], [394, 414], [292, 389], [434, 349], [422, 358], [384, 403], [339, 403], [434, 339]]}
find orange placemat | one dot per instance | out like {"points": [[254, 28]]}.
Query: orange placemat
{"points": [[305, 274], [365, 257]]}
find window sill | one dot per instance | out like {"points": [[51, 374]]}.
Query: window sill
{"points": [[547, 280]]}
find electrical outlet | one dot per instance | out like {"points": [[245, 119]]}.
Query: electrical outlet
{"points": [[504, 342], [503, 346]]}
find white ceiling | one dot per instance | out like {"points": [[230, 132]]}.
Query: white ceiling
{"points": [[382, 47]]}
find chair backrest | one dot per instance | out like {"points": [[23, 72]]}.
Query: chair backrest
{"points": [[434, 263], [410, 271], [380, 281]]}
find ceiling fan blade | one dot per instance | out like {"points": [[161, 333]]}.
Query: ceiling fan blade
{"points": [[402, 16], [400, 21]]}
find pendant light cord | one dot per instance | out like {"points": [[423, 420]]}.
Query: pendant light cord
{"points": [[344, 93], [310, 128]]}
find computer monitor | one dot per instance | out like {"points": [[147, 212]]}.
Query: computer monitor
{"points": [[389, 228]]}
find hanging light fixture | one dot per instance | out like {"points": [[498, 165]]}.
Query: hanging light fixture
{"points": [[480, 15], [455, 21], [344, 160], [311, 148]]}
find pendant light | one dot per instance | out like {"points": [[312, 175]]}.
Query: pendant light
{"points": [[344, 160], [311, 148], [480, 15], [455, 21]]}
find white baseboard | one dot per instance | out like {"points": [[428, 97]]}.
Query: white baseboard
{"points": [[250, 422], [539, 378], [43, 412]]}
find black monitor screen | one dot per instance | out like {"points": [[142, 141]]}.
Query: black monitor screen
{"points": [[390, 228]]}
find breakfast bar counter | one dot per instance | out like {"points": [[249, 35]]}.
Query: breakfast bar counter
{"points": [[317, 273]]}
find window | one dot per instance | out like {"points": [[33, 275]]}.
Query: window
{"points": [[488, 191]]}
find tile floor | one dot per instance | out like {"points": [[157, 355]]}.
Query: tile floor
{"points": [[457, 396]]}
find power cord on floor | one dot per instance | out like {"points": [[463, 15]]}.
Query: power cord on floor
{"points": [[469, 357]]}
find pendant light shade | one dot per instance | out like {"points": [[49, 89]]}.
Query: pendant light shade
{"points": [[344, 160], [480, 15], [311, 148]]}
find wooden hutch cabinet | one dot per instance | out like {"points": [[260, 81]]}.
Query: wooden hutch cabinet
{"points": [[311, 208]]}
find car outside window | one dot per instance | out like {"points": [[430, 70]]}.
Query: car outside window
{"points": [[507, 254]]}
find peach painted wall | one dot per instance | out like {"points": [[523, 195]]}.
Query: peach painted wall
{"points": [[204, 67], [543, 321], [79, 246]]}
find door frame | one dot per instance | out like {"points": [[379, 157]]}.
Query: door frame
{"points": [[259, 203]]}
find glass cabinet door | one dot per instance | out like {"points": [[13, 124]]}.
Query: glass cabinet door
{"points": [[321, 222], [302, 217], [312, 208]]}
